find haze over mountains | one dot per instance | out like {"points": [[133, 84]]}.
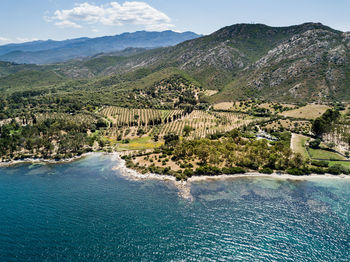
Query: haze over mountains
{"points": [[45, 52], [307, 62]]}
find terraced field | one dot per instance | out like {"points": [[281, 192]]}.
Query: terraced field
{"points": [[140, 117], [161, 122]]}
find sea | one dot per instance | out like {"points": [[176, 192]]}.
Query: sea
{"points": [[88, 211]]}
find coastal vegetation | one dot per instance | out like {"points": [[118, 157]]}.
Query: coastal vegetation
{"points": [[180, 140], [246, 98], [56, 136]]}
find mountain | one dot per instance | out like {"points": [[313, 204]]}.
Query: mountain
{"points": [[309, 61], [45, 52], [302, 63]]}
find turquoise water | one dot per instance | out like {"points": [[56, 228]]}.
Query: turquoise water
{"points": [[85, 211]]}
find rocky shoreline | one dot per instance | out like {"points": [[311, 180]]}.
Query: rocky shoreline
{"points": [[184, 187], [43, 161]]}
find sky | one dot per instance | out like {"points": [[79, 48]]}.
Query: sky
{"points": [[28, 20]]}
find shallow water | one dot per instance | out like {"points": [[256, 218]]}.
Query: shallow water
{"points": [[86, 211]]}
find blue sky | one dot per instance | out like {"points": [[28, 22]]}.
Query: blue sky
{"points": [[23, 20]]}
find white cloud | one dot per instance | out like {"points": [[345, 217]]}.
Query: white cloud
{"points": [[112, 14], [4, 40], [24, 39], [17, 40], [66, 23]]}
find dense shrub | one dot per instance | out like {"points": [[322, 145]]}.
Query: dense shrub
{"points": [[319, 163], [337, 170], [315, 143], [266, 170], [233, 170], [208, 171], [298, 171], [317, 170], [188, 172]]}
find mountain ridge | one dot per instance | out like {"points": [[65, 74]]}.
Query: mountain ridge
{"points": [[50, 51], [307, 62]]}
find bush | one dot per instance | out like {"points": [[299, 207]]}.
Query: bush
{"points": [[187, 130], [249, 164], [266, 170], [233, 170], [317, 170], [315, 143], [102, 123], [166, 171], [319, 163], [338, 169], [298, 171], [208, 171], [171, 138], [188, 172], [140, 132], [180, 176]]}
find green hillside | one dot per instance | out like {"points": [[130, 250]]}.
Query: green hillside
{"points": [[303, 63]]}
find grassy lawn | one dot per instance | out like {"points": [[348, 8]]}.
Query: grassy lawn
{"points": [[298, 145], [345, 164], [210, 92], [223, 106], [140, 144], [324, 154], [308, 112]]}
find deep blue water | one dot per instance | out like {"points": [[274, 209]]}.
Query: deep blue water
{"points": [[85, 211]]}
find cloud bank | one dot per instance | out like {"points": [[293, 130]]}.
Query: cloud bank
{"points": [[4, 40], [112, 14], [17, 40]]}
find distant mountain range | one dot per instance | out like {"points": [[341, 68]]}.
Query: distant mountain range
{"points": [[45, 52], [302, 63]]}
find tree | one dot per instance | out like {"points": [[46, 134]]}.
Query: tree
{"points": [[297, 160], [155, 138], [140, 132], [101, 123], [187, 130], [318, 127], [171, 139], [315, 143], [202, 151], [323, 124], [331, 145]]}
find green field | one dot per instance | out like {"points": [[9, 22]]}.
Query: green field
{"points": [[141, 143], [299, 142], [324, 154], [310, 111], [343, 163]]}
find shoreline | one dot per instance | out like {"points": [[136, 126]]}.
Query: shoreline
{"points": [[136, 175], [184, 187], [131, 173], [43, 161]]}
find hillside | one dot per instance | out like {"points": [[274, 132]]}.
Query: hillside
{"points": [[302, 63], [282, 64], [140, 99], [45, 52], [256, 61]]}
